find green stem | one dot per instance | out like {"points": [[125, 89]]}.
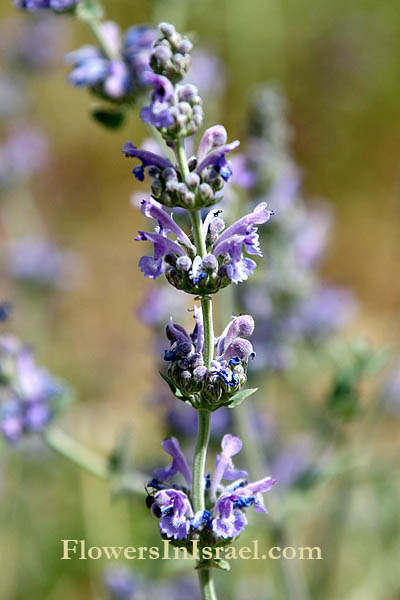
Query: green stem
{"points": [[96, 29], [207, 584], [63, 444], [204, 416], [199, 459], [81, 456]]}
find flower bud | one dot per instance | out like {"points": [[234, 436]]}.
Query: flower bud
{"points": [[200, 373], [183, 263], [206, 193], [210, 263], [192, 180]]}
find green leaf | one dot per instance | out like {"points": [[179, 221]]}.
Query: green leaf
{"points": [[111, 118], [177, 393], [171, 384], [220, 563], [239, 397], [89, 10]]}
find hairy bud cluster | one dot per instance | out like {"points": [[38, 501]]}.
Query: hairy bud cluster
{"points": [[200, 276], [216, 384], [171, 54], [196, 192]]}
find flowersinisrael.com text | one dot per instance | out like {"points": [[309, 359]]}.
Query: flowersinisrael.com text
{"points": [[78, 549]]}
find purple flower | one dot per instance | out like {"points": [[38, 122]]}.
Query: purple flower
{"points": [[148, 159], [212, 138], [229, 520], [241, 234], [153, 267], [176, 513], [163, 96], [217, 158], [230, 445], [179, 464], [163, 247], [230, 339], [154, 210]]}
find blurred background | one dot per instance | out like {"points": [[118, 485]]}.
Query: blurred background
{"points": [[337, 65]]}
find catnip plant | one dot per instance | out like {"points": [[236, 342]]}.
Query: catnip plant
{"points": [[204, 371]]}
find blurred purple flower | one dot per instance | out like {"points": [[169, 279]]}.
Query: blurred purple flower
{"points": [[36, 260], [38, 5], [23, 153], [120, 583], [28, 393], [326, 311], [124, 75], [207, 73]]}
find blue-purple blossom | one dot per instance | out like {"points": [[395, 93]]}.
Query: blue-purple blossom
{"points": [[241, 234], [148, 159], [229, 521], [179, 464], [176, 513], [230, 445], [227, 372], [158, 113], [153, 267], [225, 517], [217, 160]]}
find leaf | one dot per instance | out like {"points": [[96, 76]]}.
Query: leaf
{"points": [[111, 118], [239, 397], [177, 393], [171, 384], [220, 563]]}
